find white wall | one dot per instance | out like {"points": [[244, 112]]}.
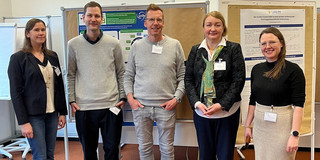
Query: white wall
{"points": [[49, 7], [5, 9]]}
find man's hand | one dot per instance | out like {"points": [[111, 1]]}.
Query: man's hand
{"points": [[170, 105], [120, 104], [74, 107]]}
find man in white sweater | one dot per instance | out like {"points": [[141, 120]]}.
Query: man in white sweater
{"points": [[95, 86], [154, 84]]}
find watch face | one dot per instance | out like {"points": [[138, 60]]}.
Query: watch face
{"points": [[295, 133]]}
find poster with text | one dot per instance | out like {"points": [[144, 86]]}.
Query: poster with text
{"points": [[126, 26]]}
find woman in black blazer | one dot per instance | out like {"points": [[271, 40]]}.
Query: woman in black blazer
{"points": [[214, 79], [37, 91]]}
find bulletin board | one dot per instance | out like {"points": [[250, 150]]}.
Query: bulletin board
{"points": [[233, 12], [183, 21]]}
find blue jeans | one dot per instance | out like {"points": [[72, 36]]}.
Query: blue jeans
{"points": [[143, 120], [44, 135]]}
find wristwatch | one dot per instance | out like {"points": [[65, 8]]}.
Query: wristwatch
{"points": [[295, 133], [178, 99]]}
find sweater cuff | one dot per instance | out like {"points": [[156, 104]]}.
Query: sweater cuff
{"points": [[123, 99]]}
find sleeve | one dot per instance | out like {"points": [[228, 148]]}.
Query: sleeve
{"points": [[15, 75], [252, 99], [120, 69], [130, 73], [238, 78], [189, 79], [62, 101], [298, 87], [71, 72], [180, 72]]}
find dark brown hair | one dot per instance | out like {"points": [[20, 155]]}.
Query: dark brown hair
{"points": [[27, 46], [276, 71]]}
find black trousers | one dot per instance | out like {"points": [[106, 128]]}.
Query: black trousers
{"points": [[217, 137], [88, 124]]}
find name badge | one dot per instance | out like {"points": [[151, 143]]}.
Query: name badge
{"points": [[220, 66], [270, 116], [156, 49], [57, 70], [115, 110]]}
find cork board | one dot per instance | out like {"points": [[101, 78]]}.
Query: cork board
{"points": [[234, 35], [182, 22]]}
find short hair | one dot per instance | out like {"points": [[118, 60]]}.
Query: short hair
{"points": [[217, 15], [27, 46], [154, 7], [276, 72], [92, 4]]}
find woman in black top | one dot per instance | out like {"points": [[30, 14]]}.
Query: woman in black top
{"points": [[277, 86], [37, 91]]}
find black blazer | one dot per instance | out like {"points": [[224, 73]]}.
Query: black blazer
{"points": [[28, 89], [228, 83]]}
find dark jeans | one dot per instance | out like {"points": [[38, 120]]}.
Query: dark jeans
{"points": [[217, 137], [88, 124], [44, 132]]}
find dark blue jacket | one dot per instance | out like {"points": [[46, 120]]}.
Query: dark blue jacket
{"points": [[28, 89], [228, 83]]}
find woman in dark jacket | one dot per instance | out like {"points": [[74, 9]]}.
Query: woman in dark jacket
{"points": [[214, 79], [37, 91]]}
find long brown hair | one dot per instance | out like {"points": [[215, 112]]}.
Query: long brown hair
{"points": [[276, 71], [27, 46]]}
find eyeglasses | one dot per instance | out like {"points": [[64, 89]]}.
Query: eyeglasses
{"points": [[152, 20], [271, 44]]}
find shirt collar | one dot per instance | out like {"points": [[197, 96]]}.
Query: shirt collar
{"points": [[203, 44], [92, 42]]}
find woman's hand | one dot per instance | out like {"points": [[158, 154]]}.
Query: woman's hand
{"points": [[27, 130], [213, 109], [202, 107], [247, 133], [62, 121], [292, 143]]}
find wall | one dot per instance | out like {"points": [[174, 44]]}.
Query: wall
{"points": [[5, 10], [48, 7]]}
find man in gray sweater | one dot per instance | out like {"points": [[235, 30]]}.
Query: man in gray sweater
{"points": [[154, 84], [95, 86]]}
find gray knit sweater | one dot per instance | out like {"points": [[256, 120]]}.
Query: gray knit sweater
{"points": [[155, 78], [95, 72]]}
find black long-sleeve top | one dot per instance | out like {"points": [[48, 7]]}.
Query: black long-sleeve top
{"points": [[288, 89]]}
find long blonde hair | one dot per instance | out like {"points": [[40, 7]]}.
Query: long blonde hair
{"points": [[276, 71]]}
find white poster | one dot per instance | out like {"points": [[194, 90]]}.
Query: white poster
{"points": [[7, 48]]}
